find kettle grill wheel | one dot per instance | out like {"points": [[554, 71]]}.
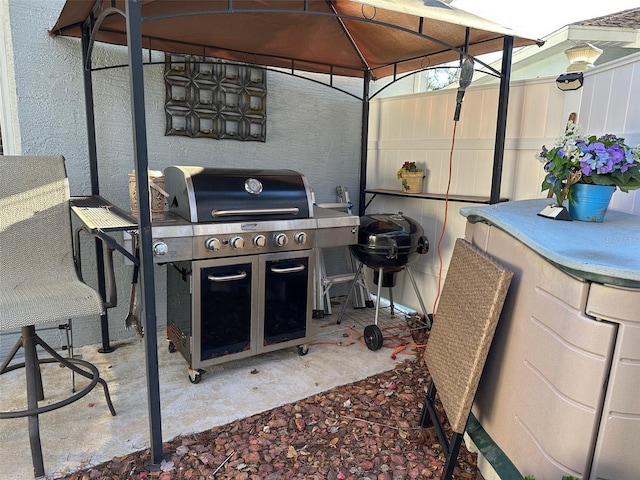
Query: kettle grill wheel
{"points": [[373, 337]]}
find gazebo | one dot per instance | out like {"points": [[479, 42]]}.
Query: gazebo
{"points": [[364, 39]]}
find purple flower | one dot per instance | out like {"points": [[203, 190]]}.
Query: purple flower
{"points": [[616, 153], [601, 160]]}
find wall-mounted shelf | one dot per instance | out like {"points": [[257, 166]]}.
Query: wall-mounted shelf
{"points": [[428, 196]]}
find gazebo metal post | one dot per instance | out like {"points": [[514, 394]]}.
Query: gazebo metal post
{"points": [[501, 125], [134, 41], [364, 141], [93, 169]]}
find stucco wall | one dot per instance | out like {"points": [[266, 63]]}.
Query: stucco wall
{"points": [[310, 128]]}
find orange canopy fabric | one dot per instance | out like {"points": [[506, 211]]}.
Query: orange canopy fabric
{"points": [[340, 37]]}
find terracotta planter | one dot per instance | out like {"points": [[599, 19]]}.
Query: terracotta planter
{"points": [[412, 182]]}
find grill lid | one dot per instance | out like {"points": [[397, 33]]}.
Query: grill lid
{"points": [[389, 240], [201, 194]]}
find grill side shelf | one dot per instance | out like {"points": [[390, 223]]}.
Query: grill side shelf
{"points": [[98, 214], [100, 217]]}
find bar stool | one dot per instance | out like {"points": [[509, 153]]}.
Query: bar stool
{"points": [[39, 283]]}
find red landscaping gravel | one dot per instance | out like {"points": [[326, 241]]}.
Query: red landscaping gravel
{"points": [[364, 430]]}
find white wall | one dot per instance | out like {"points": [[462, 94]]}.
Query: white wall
{"points": [[610, 104], [8, 106], [420, 128]]}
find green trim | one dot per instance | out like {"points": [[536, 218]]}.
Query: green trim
{"points": [[491, 452]]}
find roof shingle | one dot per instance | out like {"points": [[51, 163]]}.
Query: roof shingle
{"points": [[625, 19]]}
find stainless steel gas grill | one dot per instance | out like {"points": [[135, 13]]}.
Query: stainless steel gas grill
{"points": [[238, 244], [215, 212]]}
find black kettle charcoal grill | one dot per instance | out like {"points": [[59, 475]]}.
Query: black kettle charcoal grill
{"points": [[387, 243]]}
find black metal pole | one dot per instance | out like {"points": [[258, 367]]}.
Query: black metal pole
{"points": [[364, 142], [134, 41], [501, 125], [93, 171]]}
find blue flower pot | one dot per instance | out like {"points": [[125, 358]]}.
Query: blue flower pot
{"points": [[590, 202]]}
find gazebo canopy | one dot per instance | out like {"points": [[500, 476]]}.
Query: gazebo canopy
{"points": [[339, 37]]}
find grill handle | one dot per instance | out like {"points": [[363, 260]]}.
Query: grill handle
{"points": [[228, 278], [296, 269], [257, 211], [393, 249]]}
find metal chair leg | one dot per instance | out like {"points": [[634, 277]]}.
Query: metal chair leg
{"points": [[375, 322], [29, 341], [353, 286], [72, 364], [452, 456], [428, 418], [415, 288], [34, 391]]}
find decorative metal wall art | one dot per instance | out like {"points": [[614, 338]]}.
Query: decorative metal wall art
{"points": [[212, 99]]}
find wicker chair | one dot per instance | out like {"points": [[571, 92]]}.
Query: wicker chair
{"points": [[38, 280], [468, 310]]}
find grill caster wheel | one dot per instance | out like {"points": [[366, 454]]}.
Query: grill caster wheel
{"points": [[195, 376], [172, 347], [373, 337], [303, 350]]}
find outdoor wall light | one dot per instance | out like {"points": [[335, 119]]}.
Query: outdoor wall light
{"points": [[582, 57], [570, 81]]}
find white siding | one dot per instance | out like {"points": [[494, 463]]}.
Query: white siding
{"points": [[420, 128]]}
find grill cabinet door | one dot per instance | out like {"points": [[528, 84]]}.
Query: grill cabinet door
{"points": [[287, 305], [224, 302]]}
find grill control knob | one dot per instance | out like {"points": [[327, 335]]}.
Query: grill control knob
{"points": [[300, 237], [159, 249], [281, 239], [212, 244], [237, 242], [260, 241]]}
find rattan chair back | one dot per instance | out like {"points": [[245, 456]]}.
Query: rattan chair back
{"points": [[468, 310]]}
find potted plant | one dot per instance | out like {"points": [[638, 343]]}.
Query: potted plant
{"points": [[411, 177], [577, 162]]}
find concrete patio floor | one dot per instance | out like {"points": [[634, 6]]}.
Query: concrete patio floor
{"points": [[85, 434]]}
